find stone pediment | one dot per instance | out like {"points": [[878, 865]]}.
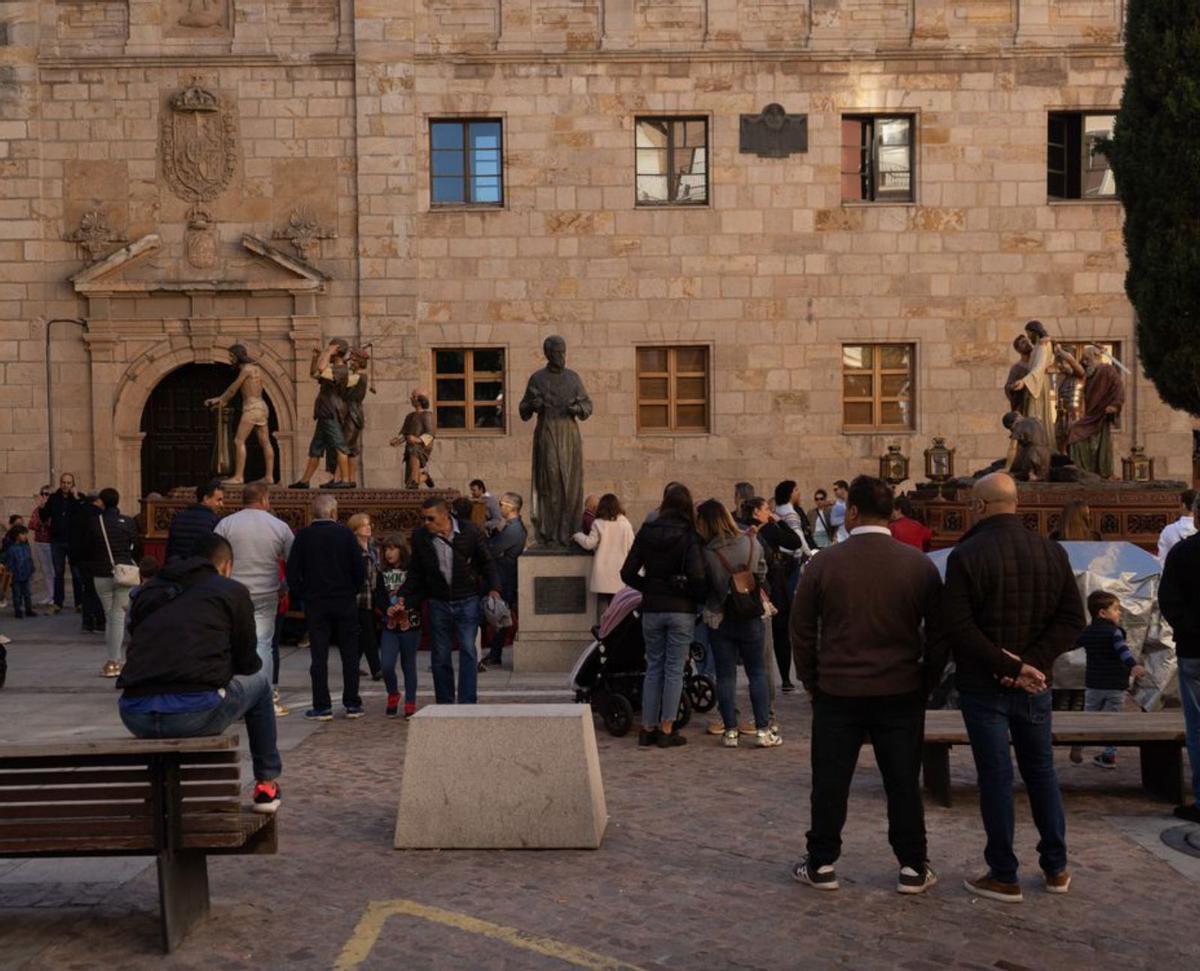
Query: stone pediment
{"points": [[142, 266]]}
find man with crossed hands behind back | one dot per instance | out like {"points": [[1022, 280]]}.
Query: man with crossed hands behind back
{"points": [[1010, 607]]}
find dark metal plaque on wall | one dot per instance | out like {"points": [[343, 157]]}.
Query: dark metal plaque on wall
{"points": [[773, 133], [559, 595]]}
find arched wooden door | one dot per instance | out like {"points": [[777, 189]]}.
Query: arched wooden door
{"points": [[179, 430]]}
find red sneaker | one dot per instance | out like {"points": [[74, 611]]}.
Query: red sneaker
{"points": [[266, 797], [410, 709], [393, 705]]}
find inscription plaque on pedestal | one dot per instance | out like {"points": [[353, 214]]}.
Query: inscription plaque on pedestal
{"points": [[559, 595]]}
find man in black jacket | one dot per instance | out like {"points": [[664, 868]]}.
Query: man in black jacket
{"points": [[197, 520], [1011, 606], [83, 521], [1179, 598], [449, 560], [193, 665], [60, 510], [325, 570]]}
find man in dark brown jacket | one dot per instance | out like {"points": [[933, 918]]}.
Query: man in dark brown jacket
{"points": [[1011, 606], [856, 635]]}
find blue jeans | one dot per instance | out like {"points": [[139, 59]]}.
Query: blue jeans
{"points": [[402, 644], [1189, 696], [58, 556], [266, 609], [742, 639], [446, 618], [709, 664], [1102, 699], [22, 597], [990, 720], [247, 696], [667, 638]]}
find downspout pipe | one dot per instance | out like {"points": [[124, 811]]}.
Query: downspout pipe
{"points": [[78, 322]]}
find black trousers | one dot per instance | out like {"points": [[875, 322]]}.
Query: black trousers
{"points": [[368, 640], [336, 622], [781, 642], [895, 726]]}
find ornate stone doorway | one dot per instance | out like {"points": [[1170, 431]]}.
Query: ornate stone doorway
{"points": [[179, 432]]}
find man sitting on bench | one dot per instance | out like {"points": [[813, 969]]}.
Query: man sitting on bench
{"points": [[193, 666]]}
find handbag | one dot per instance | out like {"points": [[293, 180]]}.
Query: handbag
{"points": [[744, 600], [124, 574]]}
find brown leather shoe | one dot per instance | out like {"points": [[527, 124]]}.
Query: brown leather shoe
{"points": [[1058, 882], [985, 886]]}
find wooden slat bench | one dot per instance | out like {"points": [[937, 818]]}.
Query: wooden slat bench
{"points": [[1158, 735], [177, 799]]}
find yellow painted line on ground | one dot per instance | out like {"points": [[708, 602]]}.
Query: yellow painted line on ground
{"points": [[358, 948]]}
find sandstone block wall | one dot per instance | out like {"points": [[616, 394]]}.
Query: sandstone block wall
{"points": [[333, 100]]}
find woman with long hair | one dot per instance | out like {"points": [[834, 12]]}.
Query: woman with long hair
{"points": [[1075, 523], [611, 536], [368, 638], [666, 565], [734, 619]]}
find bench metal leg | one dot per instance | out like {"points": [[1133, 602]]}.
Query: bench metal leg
{"points": [[182, 894], [935, 769], [1162, 770]]}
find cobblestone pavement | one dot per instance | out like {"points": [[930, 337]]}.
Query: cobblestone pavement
{"points": [[693, 872]]}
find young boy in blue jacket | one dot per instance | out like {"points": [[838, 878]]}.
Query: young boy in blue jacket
{"points": [[1110, 662]]}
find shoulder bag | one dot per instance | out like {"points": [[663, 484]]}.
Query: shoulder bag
{"points": [[744, 600], [124, 574]]}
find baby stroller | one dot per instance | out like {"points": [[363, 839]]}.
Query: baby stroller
{"points": [[608, 674]]}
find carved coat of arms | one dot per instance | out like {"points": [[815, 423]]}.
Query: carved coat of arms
{"points": [[198, 142]]}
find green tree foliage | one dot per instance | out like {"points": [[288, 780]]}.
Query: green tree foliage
{"points": [[1155, 155]]}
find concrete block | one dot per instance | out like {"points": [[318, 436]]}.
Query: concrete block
{"points": [[501, 777]]}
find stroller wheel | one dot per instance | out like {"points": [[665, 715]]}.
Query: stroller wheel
{"points": [[702, 692], [685, 711], [617, 713], [697, 652]]}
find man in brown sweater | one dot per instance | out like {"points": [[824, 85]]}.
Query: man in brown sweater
{"points": [[857, 639]]}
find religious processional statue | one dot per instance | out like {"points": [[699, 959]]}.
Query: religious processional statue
{"points": [[334, 376], [249, 383], [352, 393], [557, 396], [416, 435], [1090, 438], [1057, 405]]}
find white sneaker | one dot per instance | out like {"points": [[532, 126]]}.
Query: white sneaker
{"points": [[768, 738], [730, 738], [912, 882]]}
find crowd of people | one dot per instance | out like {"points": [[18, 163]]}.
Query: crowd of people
{"points": [[840, 590]]}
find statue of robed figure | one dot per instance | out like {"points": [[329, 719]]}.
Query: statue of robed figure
{"points": [[557, 396]]}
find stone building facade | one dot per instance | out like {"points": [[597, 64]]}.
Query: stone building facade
{"points": [[183, 174]]}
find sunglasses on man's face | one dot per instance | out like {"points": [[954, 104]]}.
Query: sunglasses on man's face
{"points": [[44, 492]]}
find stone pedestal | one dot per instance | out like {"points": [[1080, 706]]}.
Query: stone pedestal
{"points": [[501, 777], [557, 611]]}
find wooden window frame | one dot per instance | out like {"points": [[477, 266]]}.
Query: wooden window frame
{"points": [[672, 401], [468, 202], [877, 399], [868, 174], [1065, 135], [673, 120], [469, 376]]}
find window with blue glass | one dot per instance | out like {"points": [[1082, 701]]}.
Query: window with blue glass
{"points": [[466, 167]]}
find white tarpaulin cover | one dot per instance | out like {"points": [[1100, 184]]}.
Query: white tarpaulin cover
{"points": [[1132, 574]]}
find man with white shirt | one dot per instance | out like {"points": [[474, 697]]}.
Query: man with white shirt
{"points": [[1181, 529], [260, 541]]}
